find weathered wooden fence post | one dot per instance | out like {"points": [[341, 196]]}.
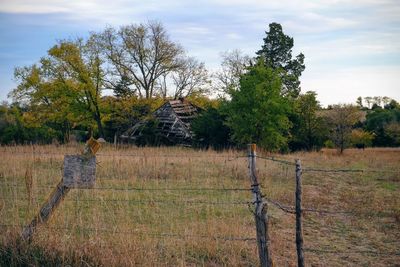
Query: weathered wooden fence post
{"points": [[79, 172], [261, 208], [46, 210], [299, 217]]}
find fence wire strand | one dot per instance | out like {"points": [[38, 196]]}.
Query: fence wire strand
{"points": [[313, 250], [140, 233], [286, 208], [49, 186], [142, 201]]}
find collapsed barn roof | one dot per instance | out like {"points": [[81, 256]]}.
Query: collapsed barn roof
{"points": [[173, 122]]}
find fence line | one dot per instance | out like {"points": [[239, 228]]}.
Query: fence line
{"points": [[50, 186], [127, 155], [290, 209], [348, 170], [283, 161], [352, 252], [270, 158], [150, 201], [283, 207], [259, 204], [305, 169], [140, 233]]}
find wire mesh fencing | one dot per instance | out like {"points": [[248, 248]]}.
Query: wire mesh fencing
{"points": [[338, 201], [196, 207]]}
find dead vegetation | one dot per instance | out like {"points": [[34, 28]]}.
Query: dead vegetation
{"points": [[116, 225]]}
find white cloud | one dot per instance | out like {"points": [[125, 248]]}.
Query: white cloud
{"points": [[92, 12], [335, 35], [345, 85], [233, 36]]}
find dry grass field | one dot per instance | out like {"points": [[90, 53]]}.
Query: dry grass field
{"points": [[152, 207]]}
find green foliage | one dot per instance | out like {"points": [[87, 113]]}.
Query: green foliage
{"points": [[360, 138], [149, 134], [121, 113], [64, 89], [210, 129], [309, 130], [14, 128], [257, 113], [384, 124], [277, 54], [329, 144]]}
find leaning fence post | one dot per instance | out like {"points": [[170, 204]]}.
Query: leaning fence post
{"points": [[299, 217], [261, 217], [79, 172]]}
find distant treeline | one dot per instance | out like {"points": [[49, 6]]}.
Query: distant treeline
{"points": [[249, 99]]}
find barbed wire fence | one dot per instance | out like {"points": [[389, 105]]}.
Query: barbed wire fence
{"points": [[151, 201], [298, 210], [259, 202]]}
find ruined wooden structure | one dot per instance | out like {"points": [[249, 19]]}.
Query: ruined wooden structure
{"points": [[173, 123]]}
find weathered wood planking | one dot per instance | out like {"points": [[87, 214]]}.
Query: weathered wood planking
{"points": [[79, 171]]}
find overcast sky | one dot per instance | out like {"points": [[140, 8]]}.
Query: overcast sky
{"points": [[351, 48]]}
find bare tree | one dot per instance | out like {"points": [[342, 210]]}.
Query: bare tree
{"points": [[341, 119], [233, 66], [377, 100], [139, 55], [190, 78], [385, 100], [368, 100]]}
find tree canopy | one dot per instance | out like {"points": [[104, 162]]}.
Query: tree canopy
{"points": [[260, 100], [277, 54], [65, 87], [257, 113]]}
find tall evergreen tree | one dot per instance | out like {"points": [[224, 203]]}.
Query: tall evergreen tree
{"points": [[277, 53]]}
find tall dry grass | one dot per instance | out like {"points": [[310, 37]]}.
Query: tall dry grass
{"points": [[120, 227]]}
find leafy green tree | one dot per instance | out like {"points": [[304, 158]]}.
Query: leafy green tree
{"points": [[393, 104], [210, 129], [309, 129], [14, 128], [82, 64], [121, 88], [257, 111], [392, 130], [65, 88], [119, 114], [277, 53], [45, 100], [361, 139], [378, 121]]}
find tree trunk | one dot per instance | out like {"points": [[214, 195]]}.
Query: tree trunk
{"points": [[97, 117]]}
